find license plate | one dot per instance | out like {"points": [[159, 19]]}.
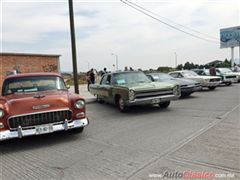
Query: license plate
{"points": [[44, 129], [155, 101]]}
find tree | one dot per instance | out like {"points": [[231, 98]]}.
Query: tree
{"points": [[179, 67], [164, 69]]}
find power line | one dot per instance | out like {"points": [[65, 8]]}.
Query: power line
{"points": [[176, 28], [191, 29]]}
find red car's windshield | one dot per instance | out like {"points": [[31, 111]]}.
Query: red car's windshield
{"points": [[32, 84]]}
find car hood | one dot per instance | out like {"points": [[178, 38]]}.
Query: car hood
{"points": [[150, 86], [233, 73], [37, 102], [181, 81], [204, 77]]}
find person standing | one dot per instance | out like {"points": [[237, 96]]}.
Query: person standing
{"points": [[92, 76], [104, 71], [212, 70], [236, 68]]}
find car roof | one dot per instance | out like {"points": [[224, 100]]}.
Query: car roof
{"points": [[176, 71], [122, 72], [32, 74], [156, 73]]}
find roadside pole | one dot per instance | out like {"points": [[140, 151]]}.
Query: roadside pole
{"points": [[74, 54], [232, 57]]}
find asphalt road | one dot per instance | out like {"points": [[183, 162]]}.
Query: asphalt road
{"points": [[200, 133]]}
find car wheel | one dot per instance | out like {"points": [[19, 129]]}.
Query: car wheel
{"points": [[121, 105], [99, 100], [228, 83], [77, 130], [212, 88], [164, 104]]}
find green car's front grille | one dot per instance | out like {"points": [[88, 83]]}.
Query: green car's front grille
{"points": [[153, 93]]}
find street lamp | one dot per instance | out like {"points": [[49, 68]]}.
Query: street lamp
{"points": [[175, 59], [116, 60]]}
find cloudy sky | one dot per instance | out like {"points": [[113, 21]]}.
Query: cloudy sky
{"points": [[105, 27]]}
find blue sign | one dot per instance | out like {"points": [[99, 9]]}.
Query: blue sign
{"points": [[230, 37]]}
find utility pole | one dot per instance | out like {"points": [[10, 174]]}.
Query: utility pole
{"points": [[232, 57], [74, 54]]}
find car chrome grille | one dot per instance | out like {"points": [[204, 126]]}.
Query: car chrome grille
{"points": [[36, 119], [153, 93], [215, 80]]}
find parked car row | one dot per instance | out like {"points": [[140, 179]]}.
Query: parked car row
{"points": [[129, 88], [40, 103], [125, 89], [227, 76]]}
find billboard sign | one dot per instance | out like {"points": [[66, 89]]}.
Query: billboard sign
{"points": [[230, 37]]}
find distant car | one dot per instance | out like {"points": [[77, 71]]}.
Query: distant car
{"points": [[211, 82], [229, 72], [39, 103], [187, 86], [129, 88], [225, 79]]}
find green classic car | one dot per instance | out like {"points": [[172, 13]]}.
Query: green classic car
{"points": [[129, 88]]}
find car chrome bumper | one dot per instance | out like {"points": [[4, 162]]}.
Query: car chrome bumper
{"points": [[230, 80], [152, 100], [19, 133], [212, 84], [185, 90]]}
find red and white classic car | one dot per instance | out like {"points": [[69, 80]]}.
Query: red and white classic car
{"points": [[39, 103]]}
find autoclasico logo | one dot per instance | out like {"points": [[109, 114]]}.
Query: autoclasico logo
{"points": [[192, 175]]}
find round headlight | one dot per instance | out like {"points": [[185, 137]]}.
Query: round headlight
{"points": [[79, 104], [176, 91], [131, 95], [1, 113]]}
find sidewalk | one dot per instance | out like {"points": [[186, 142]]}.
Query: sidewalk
{"points": [[84, 93]]}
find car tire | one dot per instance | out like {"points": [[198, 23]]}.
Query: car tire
{"points": [[99, 100], [121, 104], [164, 104], [77, 130], [186, 94], [212, 88], [228, 83]]}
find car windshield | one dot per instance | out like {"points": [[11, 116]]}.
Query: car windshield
{"points": [[189, 73], [130, 78], [225, 70], [161, 76], [33, 84]]}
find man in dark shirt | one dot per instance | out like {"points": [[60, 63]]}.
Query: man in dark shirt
{"points": [[92, 76], [212, 70]]}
